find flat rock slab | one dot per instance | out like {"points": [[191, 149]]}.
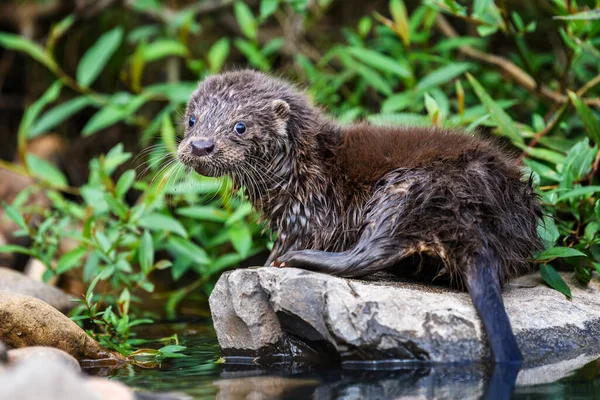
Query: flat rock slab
{"points": [[15, 282], [292, 314]]}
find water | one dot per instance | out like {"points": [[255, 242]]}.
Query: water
{"points": [[201, 377]]}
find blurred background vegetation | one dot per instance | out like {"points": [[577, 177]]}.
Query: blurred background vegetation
{"points": [[92, 93]]}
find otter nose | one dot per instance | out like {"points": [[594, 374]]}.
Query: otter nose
{"points": [[202, 148]]}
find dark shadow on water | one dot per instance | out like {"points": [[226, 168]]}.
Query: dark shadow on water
{"points": [[200, 377]]}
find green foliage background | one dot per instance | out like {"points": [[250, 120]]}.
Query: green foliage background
{"points": [[526, 74]]}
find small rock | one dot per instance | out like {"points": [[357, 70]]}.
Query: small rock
{"points": [[272, 312], [46, 379], [27, 321], [51, 354], [109, 390], [15, 282]]}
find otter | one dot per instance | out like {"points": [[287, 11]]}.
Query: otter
{"points": [[353, 200]]}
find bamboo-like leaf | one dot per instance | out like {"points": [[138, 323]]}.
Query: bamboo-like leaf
{"points": [[46, 171], [558, 251], [554, 280], [442, 75], [583, 15], [590, 122], [146, 253], [245, 19], [400, 17], [218, 54], [505, 123], [58, 114], [378, 61], [267, 8], [35, 51], [96, 57]]}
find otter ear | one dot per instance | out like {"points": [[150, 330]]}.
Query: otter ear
{"points": [[281, 109]]}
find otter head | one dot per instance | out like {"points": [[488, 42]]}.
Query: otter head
{"points": [[237, 122]]}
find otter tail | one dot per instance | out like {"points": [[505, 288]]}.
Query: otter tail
{"points": [[486, 291]]}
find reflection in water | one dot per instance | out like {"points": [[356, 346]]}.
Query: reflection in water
{"points": [[430, 382], [200, 377]]}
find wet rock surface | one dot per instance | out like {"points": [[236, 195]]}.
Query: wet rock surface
{"points": [[285, 313], [15, 282], [27, 321]]}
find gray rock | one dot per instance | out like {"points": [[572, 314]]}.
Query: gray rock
{"points": [[15, 282], [293, 314], [36, 378], [43, 353]]}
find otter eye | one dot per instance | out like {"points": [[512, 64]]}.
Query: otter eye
{"points": [[240, 128], [192, 121]]}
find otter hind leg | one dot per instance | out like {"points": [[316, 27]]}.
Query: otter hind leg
{"points": [[484, 287], [364, 258]]}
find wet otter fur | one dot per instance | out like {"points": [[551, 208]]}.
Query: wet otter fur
{"points": [[353, 200]]}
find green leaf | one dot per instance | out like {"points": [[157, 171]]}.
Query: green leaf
{"points": [[505, 123], [168, 134], [58, 114], [171, 349], [32, 112], [163, 48], [121, 107], [399, 102], [124, 301], [203, 213], [104, 118], [245, 19], [590, 122], [116, 206], [241, 238], [542, 154], [15, 216], [577, 192], [562, 252], [400, 17], [253, 54], [433, 110], [46, 171], [377, 60], [267, 8], [70, 260], [371, 77], [124, 183], [542, 170], [146, 253], [189, 250], [554, 280], [583, 15], [161, 223], [479, 8], [12, 248], [442, 75], [583, 275], [102, 275], [96, 57], [35, 51], [218, 54], [240, 213], [399, 119]]}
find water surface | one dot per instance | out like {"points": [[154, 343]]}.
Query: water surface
{"points": [[201, 377]]}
